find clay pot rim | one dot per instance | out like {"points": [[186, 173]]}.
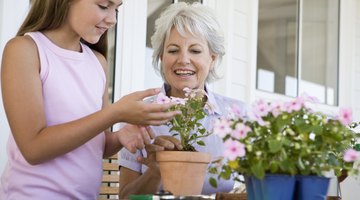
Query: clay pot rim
{"points": [[189, 156]]}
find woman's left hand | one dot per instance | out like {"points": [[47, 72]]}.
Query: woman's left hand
{"points": [[160, 143]]}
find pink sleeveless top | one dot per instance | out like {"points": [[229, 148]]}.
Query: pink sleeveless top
{"points": [[73, 85]]}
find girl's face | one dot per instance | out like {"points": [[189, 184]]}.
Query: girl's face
{"points": [[186, 62], [91, 18]]}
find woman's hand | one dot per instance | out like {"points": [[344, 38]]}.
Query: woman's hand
{"points": [[160, 143]]}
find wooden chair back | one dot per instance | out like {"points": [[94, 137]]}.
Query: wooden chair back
{"points": [[110, 182]]}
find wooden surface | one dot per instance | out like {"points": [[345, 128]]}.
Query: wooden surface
{"points": [[227, 196], [242, 196]]}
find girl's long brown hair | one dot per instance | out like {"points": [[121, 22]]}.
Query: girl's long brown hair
{"points": [[51, 14]]}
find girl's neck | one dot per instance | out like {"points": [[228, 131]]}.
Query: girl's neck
{"points": [[63, 39]]}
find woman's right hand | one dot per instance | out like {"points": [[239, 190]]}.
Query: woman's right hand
{"points": [[161, 143], [136, 111]]}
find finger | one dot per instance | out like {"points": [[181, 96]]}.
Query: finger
{"points": [[146, 93], [155, 108], [176, 142], [164, 142], [162, 116], [131, 148], [145, 135], [150, 148], [156, 122], [140, 142], [141, 160], [150, 131]]}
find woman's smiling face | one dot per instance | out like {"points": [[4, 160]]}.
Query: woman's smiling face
{"points": [[186, 62]]}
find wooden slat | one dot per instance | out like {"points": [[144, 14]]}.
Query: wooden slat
{"points": [[110, 166], [107, 190], [110, 178]]}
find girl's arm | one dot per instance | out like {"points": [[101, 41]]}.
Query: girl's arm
{"points": [[23, 103], [129, 136]]}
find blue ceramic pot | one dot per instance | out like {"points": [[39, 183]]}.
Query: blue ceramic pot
{"points": [[311, 187], [271, 187]]}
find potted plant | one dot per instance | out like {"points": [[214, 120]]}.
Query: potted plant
{"points": [[183, 172], [285, 138]]}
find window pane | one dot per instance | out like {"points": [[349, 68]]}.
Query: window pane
{"points": [[319, 52], [298, 48], [276, 52]]}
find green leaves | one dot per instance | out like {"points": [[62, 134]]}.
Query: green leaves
{"points": [[213, 182], [290, 138], [275, 145], [188, 125], [258, 170]]}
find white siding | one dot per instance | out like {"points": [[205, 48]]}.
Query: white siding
{"points": [[237, 19], [356, 92], [351, 186]]}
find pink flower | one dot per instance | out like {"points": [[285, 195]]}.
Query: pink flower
{"points": [[309, 98], [236, 110], [351, 155], [240, 131], [187, 91], [178, 100], [233, 149], [345, 116], [162, 98], [261, 108], [277, 107], [295, 105], [257, 118], [222, 127]]}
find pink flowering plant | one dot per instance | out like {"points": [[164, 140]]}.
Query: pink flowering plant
{"points": [[188, 125], [286, 138]]}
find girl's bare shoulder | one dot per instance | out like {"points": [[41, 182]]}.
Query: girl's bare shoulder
{"points": [[21, 51], [21, 46]]}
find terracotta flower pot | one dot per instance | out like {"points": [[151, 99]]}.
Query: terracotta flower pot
{"points": [[182, 172]]}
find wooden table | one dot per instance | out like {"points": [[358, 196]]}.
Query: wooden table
{"points": [[242, 196]]}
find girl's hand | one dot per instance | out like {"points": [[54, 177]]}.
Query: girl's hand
{"points": [[136, 111], [134, 137]]}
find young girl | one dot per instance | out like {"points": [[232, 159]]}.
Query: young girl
{"points": [[54, 88]]}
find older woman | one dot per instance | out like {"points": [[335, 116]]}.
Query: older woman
{"points": [[188, 46]]}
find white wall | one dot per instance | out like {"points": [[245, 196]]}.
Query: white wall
{"points": [[350, 34], [12, 13], [238, 18]]}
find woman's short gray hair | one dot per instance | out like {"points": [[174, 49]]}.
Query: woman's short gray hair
{"points": [[195, 18]]}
